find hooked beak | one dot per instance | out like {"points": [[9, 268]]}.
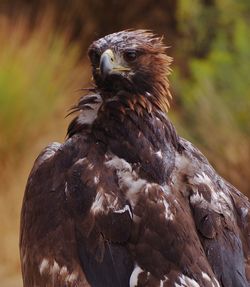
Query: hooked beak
{"points": [[109, 65]]}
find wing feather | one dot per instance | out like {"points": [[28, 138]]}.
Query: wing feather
{"points": [[221, 217]]}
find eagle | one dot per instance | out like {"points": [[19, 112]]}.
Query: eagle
{"points": [[125, 201]]}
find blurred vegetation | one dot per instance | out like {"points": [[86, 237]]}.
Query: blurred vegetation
{"points": [[43, 63], [214, 95], [35, 69]]}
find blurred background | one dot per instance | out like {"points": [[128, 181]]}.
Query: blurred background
{"points": [[43, 63]]}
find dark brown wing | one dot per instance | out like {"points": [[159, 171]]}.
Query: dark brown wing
{"points": [[165, 243], [47, 238], [65, 239], [102, 220], [221, 215]]}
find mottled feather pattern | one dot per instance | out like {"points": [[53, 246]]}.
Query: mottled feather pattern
{"points": [[125, 201]]}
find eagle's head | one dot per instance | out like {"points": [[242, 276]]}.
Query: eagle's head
{"points": [[134, 61]]}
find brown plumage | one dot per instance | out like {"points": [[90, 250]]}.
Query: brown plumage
{"points": [[125, 201]]}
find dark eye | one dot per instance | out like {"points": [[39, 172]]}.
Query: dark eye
{"points": [[130, 55], [94, 57]]}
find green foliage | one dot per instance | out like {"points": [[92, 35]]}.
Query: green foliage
{"points": [[215, 97]]}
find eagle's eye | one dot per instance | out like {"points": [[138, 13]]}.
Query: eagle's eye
{"points": [[94, 57], [130, 55]]}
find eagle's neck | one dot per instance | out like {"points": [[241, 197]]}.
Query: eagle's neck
{"points": [[134, 128]]}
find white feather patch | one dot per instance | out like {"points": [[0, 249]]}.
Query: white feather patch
{"points": [[96, 179], [44, 266], [71, 278], [119, 164], [244, 211], [126, 208], [54, 269], [88, 116], [63, 271], [186, 282], [159, 154], [97, 205], [168, 213], [220, 200], [127, 178], [50, 151], [205, 276], [133, 281], [163, 281]]}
